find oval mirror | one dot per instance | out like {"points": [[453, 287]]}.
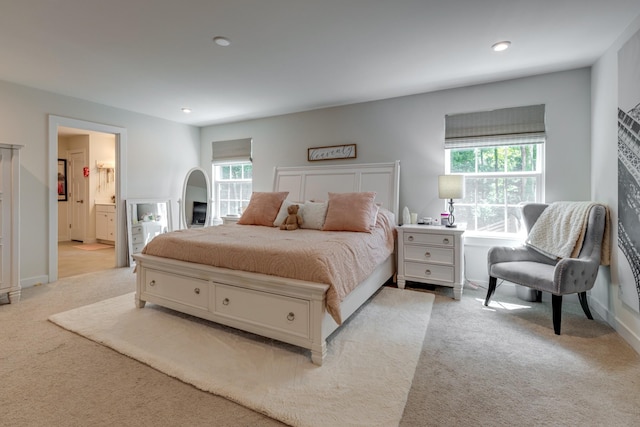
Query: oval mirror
{"points": [[195, 206]]}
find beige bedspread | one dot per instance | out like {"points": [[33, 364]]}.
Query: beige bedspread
{"points": [[341, 259]]}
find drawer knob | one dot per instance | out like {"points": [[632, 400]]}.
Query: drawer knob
{"points": [[427, 272], [291, 317], [152, 283], [445, 241], [197, 291], [225, 301], [427, 254], [410, 238]]}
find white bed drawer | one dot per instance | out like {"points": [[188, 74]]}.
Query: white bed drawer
{"points": [[281, 313], [188, 291], [427, 272], [428, 253]]}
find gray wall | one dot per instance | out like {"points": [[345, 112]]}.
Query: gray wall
{"points": [[411, 129]]}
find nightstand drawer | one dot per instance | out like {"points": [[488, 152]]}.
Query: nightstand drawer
{"points": [[428, 272], [428, 253], [429, 238]]}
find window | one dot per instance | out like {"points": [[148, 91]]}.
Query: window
{"points": [[498, 179], [232, 186], [232, 175], [500, 153]]}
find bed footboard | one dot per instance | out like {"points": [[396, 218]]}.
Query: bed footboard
{"points": [[287, 310], [284, 309]]}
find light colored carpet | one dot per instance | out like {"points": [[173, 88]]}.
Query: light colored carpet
{"points": [[93, 246], [479, 366], [364, 381]]}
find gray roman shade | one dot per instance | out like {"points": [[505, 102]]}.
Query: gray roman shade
{"points": [[506, 126], [235, 150]]}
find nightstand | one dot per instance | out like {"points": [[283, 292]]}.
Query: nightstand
{"points": [[431, 254]]}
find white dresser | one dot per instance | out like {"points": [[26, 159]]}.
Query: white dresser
{"points": [[431, 254], [106, 222], [142, 233]]}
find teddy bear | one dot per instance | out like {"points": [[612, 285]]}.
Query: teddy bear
{"points": [[293, 221]]}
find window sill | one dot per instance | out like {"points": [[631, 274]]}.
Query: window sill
{"points": [[475, 238]]}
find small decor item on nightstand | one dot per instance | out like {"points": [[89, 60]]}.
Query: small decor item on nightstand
{"points": [[444, 218], [406, 216], [451, 187]]}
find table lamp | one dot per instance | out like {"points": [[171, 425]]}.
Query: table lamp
{"points": [[451, 187]]}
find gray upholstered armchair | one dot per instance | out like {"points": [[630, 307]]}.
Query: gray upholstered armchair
{"points": [[527, 267]]}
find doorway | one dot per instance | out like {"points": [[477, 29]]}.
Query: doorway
{"points": [[79, 248], [61, 242]]}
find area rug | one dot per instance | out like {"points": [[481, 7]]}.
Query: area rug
{"points": [[94, 246], [364, 380]]}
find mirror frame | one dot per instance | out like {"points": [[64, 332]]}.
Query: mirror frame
{"points": [[183, 201], [129, 205]]}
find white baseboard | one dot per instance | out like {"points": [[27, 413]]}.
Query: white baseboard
{"points": [[619, 326], [33, 281]]}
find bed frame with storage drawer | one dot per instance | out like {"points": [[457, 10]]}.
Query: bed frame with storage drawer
{"points": [[288, 310]]}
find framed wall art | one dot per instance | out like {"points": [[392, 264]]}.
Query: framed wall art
{"points": [[62, 180], [629, 172], [347, 151]]}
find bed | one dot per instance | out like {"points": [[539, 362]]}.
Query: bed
{"points": [[303, 312]]}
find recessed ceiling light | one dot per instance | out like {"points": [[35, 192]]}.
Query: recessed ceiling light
{"points": [[222, 41], [186, 110], [500, 46]]}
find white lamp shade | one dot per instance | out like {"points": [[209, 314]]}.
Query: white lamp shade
{"points": [[451, 186]]}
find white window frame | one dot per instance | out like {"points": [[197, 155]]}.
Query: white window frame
{"points": [[540, 190], [217, 183]]}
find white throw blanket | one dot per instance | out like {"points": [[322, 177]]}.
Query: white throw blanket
{"points": [[559, 231]]}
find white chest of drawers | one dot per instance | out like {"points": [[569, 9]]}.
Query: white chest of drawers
{"points": [[431, 254]]}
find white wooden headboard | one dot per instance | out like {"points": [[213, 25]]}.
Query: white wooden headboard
{"points": [[314, 182]]}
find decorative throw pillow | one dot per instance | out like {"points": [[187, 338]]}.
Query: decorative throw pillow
{"points": [[263, 208], [313, 215], [374, 214], [282, 214], [350, 212]]}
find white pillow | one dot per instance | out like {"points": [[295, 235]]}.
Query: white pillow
{"points": [[313, 215], [283, 213]]}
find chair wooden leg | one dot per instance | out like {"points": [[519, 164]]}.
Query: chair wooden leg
{"points": [[556, 305], [582, 296], [491, 289], [538, 296]]}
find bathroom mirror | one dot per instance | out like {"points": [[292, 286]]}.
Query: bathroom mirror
{"points": [[194, 206], [146, 218]]}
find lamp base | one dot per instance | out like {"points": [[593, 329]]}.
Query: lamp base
{"points": [[451, 225]]}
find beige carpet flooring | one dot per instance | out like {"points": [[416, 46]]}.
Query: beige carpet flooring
{"points": [[501, 366]]}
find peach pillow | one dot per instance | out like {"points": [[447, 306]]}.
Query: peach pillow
{"points": [[350, 212], [263, 208]]}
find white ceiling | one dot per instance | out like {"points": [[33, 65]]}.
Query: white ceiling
{"points": [[155, 57]]}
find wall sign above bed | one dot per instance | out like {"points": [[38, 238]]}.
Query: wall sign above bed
{"points": [[347, 151]]}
